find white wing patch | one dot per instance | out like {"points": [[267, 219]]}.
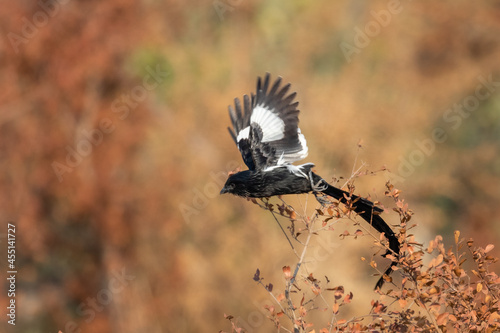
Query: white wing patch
{"points": [[305, 150], [272, 126], [300, 155], [243, 134]]}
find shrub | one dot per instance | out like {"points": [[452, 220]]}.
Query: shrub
{"points": [[439, 288]]}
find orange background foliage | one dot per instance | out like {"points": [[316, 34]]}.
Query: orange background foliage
{"points": [[144, 199]]}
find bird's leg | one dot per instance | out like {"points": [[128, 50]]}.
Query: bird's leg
{"points": [[322, 199], [318, 187]]}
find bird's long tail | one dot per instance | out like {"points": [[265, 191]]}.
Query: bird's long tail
{"points": [[369, 212]]}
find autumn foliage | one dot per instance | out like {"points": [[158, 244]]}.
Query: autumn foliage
{"points": [[436, 288]]}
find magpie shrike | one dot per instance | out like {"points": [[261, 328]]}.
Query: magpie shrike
{"points": [[266, 131]]}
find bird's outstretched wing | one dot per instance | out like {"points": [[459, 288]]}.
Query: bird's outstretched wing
{"points": [[266, 128]]}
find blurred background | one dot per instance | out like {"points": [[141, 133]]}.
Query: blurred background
{"points": [[114, 147]]}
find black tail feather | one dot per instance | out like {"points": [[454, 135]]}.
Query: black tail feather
{"points": [[370, 213]]}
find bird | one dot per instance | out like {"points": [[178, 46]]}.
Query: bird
{"points": [[266, 132]]}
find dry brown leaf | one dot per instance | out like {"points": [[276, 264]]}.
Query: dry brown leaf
{"points": [[338, 292], [287, 272], [434, 290], [442, 318], [348, 298], [402, 303], [302, 311]]}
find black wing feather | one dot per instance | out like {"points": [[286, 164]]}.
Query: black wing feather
{"points": [[240, 121]]}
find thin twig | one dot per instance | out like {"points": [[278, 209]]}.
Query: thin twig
{"points": [[275, 299], [436, 326], [284, 232], [292, 280]]}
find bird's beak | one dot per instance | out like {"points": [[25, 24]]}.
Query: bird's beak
{"points": [[224, 190]]}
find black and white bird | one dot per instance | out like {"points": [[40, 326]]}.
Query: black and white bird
{"points": [[266, 131]]}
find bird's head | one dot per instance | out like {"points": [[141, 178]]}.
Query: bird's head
{"points": [[236, 184], [228, 188]]}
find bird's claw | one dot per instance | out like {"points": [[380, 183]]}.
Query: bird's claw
{"points": [[321, 199], [317, 187]]}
